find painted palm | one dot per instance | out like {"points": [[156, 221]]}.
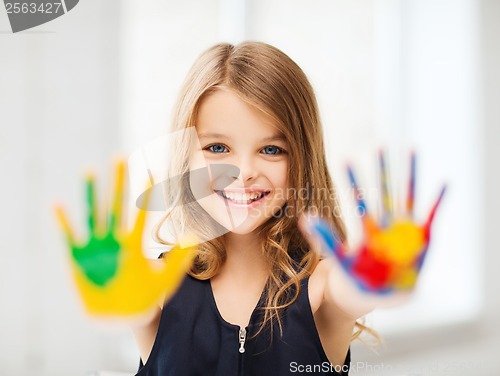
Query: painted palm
{"points": [[111, 273], [393, 250]]}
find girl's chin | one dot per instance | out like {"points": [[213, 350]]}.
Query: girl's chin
{"points": [[243, 227], [237, 222]]}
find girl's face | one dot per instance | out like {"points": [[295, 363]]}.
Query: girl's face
{"points": [[247, 161]]}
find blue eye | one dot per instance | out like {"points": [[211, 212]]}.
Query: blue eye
{"points": [[216, 148], [271, 149]]}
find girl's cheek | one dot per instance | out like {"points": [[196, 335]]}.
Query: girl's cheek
{"points": [[197, 160], [279, 172]]}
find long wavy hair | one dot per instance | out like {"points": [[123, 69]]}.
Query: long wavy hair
{"points": [[267, 79]]}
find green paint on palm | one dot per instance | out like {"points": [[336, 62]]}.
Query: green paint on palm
{"points": [[98, 259]]}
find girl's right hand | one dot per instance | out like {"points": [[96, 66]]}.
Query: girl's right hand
{"points": [[111, 273]]}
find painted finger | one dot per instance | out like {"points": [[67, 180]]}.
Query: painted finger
{"points": [[91, 203], [430, 218], [65, 226], [384, 191], [361, 204], [410, 198], [179, 261], [116, 210], [327, 236]]}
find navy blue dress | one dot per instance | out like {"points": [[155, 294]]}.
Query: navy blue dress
{"points": [[193, 339]]}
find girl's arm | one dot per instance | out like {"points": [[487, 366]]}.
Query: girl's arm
{"points": [[145, 329], [334, 326], [145, 333]]}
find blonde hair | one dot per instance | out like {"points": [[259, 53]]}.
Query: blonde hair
{"points": [[267, 79]]}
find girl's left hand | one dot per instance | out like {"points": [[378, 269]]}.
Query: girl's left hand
{"points": [[384, 269]]}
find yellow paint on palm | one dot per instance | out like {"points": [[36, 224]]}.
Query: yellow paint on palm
{"points": [[112, 275], [138, 285], [400, 243], [404, 278]]}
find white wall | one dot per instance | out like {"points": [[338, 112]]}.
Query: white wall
{"points": [[59, 97], [464, 349], [490, 136], [437, 110]]}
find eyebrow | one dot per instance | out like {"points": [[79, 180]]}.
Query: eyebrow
{"points": [[276, 137]]}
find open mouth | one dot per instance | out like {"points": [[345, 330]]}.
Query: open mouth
{"points": [[242, 198]]}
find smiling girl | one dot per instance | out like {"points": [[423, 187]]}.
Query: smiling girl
{"points": [[255, 301], [260, 297]]}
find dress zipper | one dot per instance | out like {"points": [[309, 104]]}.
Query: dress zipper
{"points": [[241, 339]]}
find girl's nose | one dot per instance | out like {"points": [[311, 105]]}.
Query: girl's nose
{"points": [[247, 167]]}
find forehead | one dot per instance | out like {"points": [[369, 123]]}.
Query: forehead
{"points": [[223, 114]]}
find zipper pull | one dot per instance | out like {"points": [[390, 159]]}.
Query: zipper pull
{"points": [[242, 336]]}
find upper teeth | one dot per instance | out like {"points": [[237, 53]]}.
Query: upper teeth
{"points": [[242, 196]]}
